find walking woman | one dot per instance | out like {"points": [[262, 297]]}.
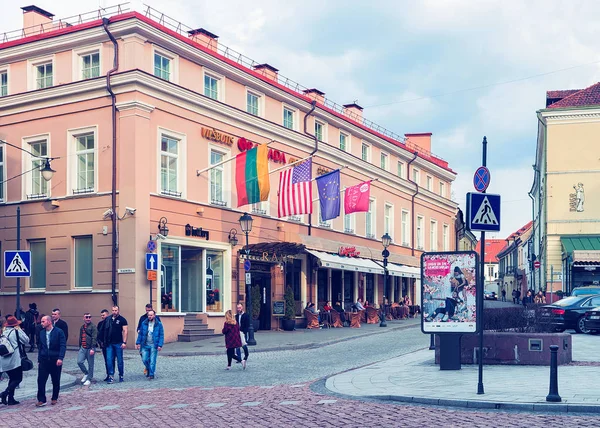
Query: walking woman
{"points": [[11, 365], [232, 339]]}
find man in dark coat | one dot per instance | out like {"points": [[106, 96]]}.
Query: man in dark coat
{"points": [[243, 321], [51, 352]]}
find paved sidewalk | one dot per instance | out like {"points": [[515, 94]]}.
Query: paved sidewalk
{"points": [[28, 388], [416, 378]]}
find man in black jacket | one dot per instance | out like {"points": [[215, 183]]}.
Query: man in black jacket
{"points": [[102, 339], [243, 321], [60, 323], [51, 352]]}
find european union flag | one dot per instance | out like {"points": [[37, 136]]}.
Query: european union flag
{"points": [[329, 194]]}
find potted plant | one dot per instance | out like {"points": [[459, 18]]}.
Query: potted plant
{"points": [[255, 308], [289, 317]]}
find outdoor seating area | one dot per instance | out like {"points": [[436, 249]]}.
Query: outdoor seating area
{"points": [[354, 319]]}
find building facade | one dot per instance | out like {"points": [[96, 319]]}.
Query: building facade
{"points": [[136, 116], [514, 261], [491, 264]]}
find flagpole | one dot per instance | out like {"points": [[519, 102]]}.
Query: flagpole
{"points": [[200, 171], [339, 169], [290, 164], [342, 191]]}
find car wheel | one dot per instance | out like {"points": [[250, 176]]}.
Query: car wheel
{"points": [[580, 326]]}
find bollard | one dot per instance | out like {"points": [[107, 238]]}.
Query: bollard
{"points": [[553, 394], [432, 342]]}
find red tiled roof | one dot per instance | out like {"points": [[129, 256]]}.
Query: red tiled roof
{"points": [[492, 248], [520, 231], [585, 97], [562, 93]]}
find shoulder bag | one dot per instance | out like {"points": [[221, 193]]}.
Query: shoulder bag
{"points": [[6, 348], [26, 363]]}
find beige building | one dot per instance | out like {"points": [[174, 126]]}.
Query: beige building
{"points": [[566, 206]]}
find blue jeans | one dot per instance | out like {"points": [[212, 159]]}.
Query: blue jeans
{"points": [[149, 354], [112, 350]]}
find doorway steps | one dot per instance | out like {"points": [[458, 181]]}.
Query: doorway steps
{"points": [[195, 328]]}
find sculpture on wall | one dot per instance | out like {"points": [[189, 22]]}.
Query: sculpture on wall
{"points": [[577, 199]]}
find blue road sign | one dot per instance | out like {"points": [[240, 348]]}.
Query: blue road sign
{"points": [[483, 212], [481, 179], [247, 265], [17, 264], [151, 246], [151, 261]]}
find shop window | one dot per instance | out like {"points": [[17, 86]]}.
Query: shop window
{"points": [[293, 270], [169, 278], [370, 290], [348, 289], [38, 263], [321, 287], [214, 281], [84, 262]]}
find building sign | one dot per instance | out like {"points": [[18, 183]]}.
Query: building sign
{"points": [[196, 231], [217, 136], [322, 170], [274, 155], [448, 292], [348, 252]]}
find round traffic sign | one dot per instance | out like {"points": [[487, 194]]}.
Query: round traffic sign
{"points": [[481, 179], [537, 264], [247, 265], [151, 246]]}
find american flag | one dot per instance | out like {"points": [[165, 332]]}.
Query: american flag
{"points": [[295, 190]]}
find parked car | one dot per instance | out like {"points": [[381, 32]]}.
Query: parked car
{"points": [[592, 320], [490, 295], [569, 313], [585, 290]]}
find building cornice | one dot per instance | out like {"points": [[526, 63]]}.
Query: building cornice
{"points": [[564, 116]]}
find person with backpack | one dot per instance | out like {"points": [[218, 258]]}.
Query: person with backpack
{"points": [[30, 323], [10, 360]]}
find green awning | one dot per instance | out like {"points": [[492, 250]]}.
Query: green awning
{"points": [[583, 242]]}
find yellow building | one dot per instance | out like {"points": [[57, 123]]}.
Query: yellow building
{"points": [[566, 205]]}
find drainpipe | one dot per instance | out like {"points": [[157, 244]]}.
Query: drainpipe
{"points": [[412, 204], [115, 242], [314, 105]]}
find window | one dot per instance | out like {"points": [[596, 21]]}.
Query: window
{"points": [[252, 103], [3, 83], [420, 233], [433, 236], [38, 263], [84, 153], [365, 152], [348, 223], [446, 237], [405, 229], [343, 142], [490, 272], [162, 67], [384, 161], [169, 166], [43, 75], [84, 262], [2, 170], [323, 223], [216, 179], [211, 86], [416, 176], [429, 183], [37, 187], [319, 130], [260, 207], [442, 189], [369, 224], [400, 169], [90, 65], [288, 118], [388, 219]]}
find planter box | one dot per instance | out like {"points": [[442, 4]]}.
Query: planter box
{"points": [[513, 348]]}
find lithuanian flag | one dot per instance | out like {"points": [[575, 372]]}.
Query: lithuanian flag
{"points": [[252, 175]]}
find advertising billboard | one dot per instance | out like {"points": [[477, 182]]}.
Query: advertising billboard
{"points": [[448, 292]]}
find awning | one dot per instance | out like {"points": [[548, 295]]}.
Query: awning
{"points": [[586, 257], [405, 271], [582, 242], [355, 264]]}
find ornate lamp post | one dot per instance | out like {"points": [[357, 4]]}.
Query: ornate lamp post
{"points": [[246, 226], [386, 240]]}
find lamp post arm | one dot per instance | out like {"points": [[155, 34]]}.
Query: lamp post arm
{"points": [[23, 173], [22, 149]]}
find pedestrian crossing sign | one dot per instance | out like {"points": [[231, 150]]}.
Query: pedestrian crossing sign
{"points": [[483, 212], [17, 264]]}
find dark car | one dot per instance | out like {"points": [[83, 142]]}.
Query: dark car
{"points": [[569, 313], [490, 295], [592, 320]]}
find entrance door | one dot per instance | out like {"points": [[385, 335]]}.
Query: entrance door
{"points": [[191, 279], [263, 286], [348, 289]]}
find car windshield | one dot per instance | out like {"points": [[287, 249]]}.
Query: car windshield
{"points": [[567, 301], [585, 290]]}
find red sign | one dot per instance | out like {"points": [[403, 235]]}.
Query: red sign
{"points": [[439, 267], [152, 275], [537, 264], [274, 155], [348, 252]]}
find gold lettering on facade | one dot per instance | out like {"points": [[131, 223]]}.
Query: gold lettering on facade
{"points": [[216, 136]]}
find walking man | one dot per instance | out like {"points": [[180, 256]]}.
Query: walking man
{"points": [[243, 321], [51, 352], [139, 327], [150, 340], [116, 340], [503, 294], [102, 339], [88, 334], [60, 323], [31, 320]]}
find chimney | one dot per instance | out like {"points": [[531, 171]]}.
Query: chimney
{"points": [[36, 20], [267, 71], [205, 38], [315, 94], [354, 112], [419, 142]]}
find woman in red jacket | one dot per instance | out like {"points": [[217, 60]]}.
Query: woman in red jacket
{"points": [[232, 339]]}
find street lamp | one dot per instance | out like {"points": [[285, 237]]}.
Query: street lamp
{"points": [[162, 227], [386, 240], [246, 226], [233, 241]]}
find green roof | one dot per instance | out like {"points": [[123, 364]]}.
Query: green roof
{"points": [[583, 242]]}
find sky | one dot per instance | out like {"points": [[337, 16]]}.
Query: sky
{"points": [[460, 69]]}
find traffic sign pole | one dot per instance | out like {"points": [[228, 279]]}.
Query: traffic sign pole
{"points": [[18, 303], [479, 303]]}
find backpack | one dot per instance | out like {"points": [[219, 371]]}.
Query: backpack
{"points": [[6, 348]]}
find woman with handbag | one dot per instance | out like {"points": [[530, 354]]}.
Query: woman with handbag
{"points": [[11, 363]]}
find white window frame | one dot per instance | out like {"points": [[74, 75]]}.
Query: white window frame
{"points": [[30, 280], [75, 262], [416, 176], [389, 228], [3, 173], [5, 70], [420, 232], [384, 160], [400, 169], [32, 65], [368, 146], [181, 163], [72, 174], [372, 214], [226, 168], [78, 55], [294, 111], [433, 235], [429, 183], [28, 165], [261, 102], [327, 223], [446, 237], [349, 223], [442, 189], [346, 141], [323, 128], [406, 231], [174, 64], [220, 84]]}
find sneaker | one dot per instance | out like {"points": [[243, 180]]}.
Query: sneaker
{"points": [[106, 379], [40, 404], [121, 379], [87, 383], [244, 364], [13, 402], [53, 402], [145, 372], [110, 380], [84, 378], [150, 377]]}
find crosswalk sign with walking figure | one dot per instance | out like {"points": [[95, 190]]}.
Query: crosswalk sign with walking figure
{"points": [[483, 212], [17, 264]]}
